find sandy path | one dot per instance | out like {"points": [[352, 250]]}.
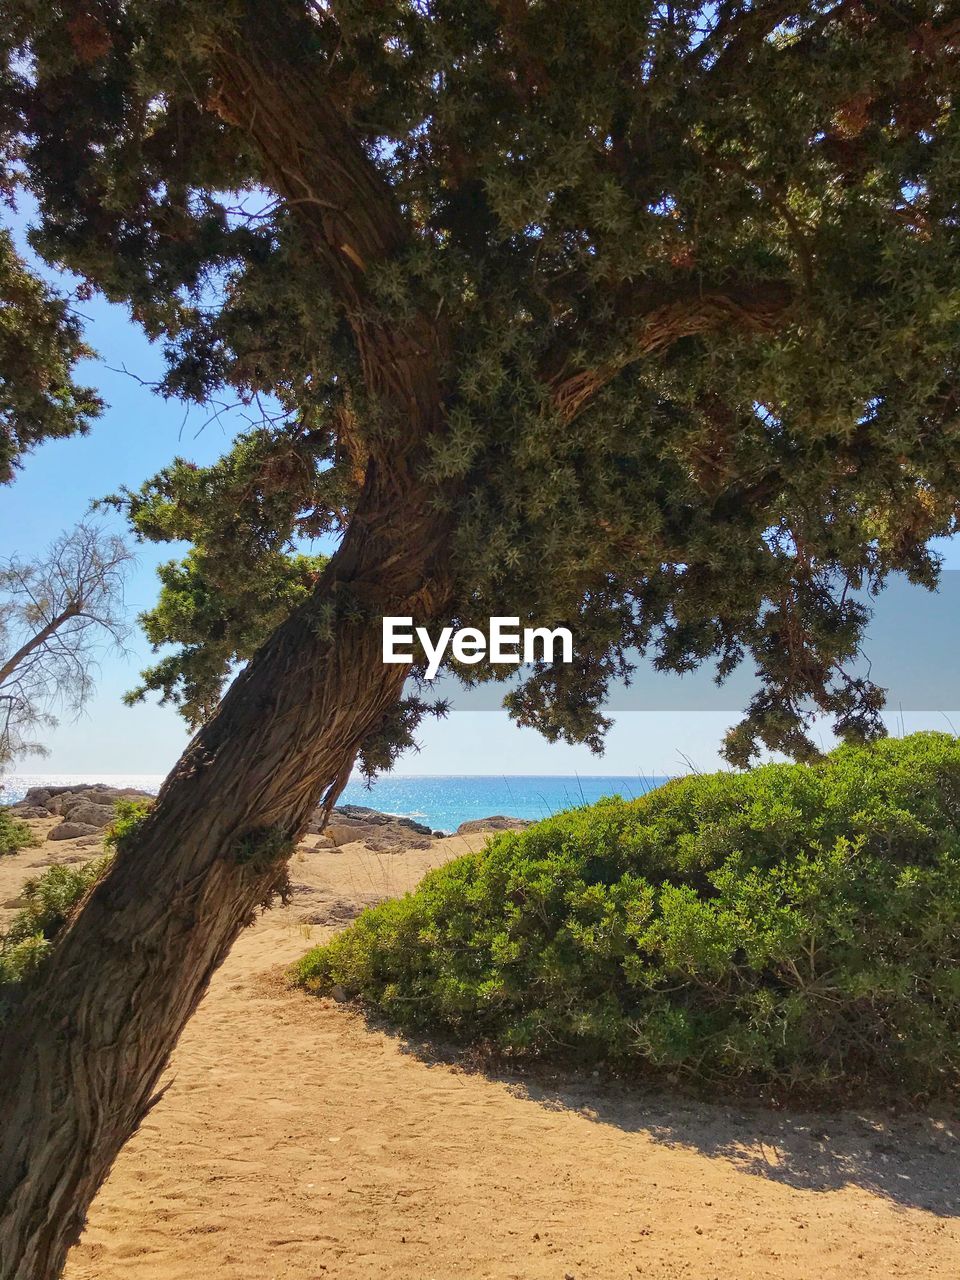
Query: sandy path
{"points": [[295, 1142]]}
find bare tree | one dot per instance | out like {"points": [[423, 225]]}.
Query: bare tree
{"points": [[58, 614]]}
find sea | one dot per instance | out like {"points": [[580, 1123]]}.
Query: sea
{"points": [[441, 801]]}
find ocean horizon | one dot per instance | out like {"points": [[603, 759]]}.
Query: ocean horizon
{"points": [[442, 801]]}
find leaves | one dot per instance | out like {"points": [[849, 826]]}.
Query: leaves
{"points": [[15, 834], [693, 271], [791, 930], [40, 343], [241, 579]]}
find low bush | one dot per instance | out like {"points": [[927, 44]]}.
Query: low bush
{"points": [[49, 899], [791, 930], [15, 834], [129, 819], [47, 902]]}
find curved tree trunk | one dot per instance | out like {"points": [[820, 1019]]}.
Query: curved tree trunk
{"points": [[81, 1057]]}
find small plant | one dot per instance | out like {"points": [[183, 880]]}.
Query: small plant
{"points": [[49, 899], [263, 847], [47, 902], [791, 930], [130, 817], [15, 834]]}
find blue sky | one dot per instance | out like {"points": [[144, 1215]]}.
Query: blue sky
{"points": [[140, 433]]}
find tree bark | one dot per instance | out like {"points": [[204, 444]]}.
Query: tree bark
{"points": [[82, 1054], [81, 1057]]}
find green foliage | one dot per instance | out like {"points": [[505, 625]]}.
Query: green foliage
{"points": [[264, 847], [794, 929], [48, 902], [694, 269], [49, 899], [241, 579], [129, 819], [219, 614], [15, 834], [40, 343]]}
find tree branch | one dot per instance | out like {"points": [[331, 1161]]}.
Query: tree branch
{"points": [[270, 87], [35, 643], [755, 309]]}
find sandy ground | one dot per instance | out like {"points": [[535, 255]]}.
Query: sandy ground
{"points": [[297, 1143]]}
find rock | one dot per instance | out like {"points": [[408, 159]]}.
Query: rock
{"points": [[496, 823], [36, 798], [339, 911], [99, 792], [72, 831], [91, 815], [359, 813], [314, 844], [340, 833], [99, 801], [382, 832], [56, 804], [50, 798]]}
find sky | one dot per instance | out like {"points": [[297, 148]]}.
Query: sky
{"points": [[138, 434]]}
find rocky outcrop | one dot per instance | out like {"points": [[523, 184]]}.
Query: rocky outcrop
{"points": [[381, 832], [384, 831], [93, 815], [86, 808], [60, 799], [496, 823]]}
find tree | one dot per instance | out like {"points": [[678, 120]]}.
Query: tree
{"points": [[40, 344], [640, 319], [56, 615], [222, 601]]}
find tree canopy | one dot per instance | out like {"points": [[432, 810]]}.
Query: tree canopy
{"points": [[687, 275], [40, 343]]}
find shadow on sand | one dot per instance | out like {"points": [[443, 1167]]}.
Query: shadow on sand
{"points": [[912, 1160]]}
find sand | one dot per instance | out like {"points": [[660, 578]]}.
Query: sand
{"points": [[297, 1143]]}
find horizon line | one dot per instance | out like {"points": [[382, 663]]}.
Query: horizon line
{"points": [[133, 773]]}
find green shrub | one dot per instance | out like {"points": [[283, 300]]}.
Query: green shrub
{"points": [[15, 834], [129, 819], [47, 902], [789, 930], [49, 899]]}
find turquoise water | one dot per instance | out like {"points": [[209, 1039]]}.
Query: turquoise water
{"points": [[440, 801], [445, 801]]}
